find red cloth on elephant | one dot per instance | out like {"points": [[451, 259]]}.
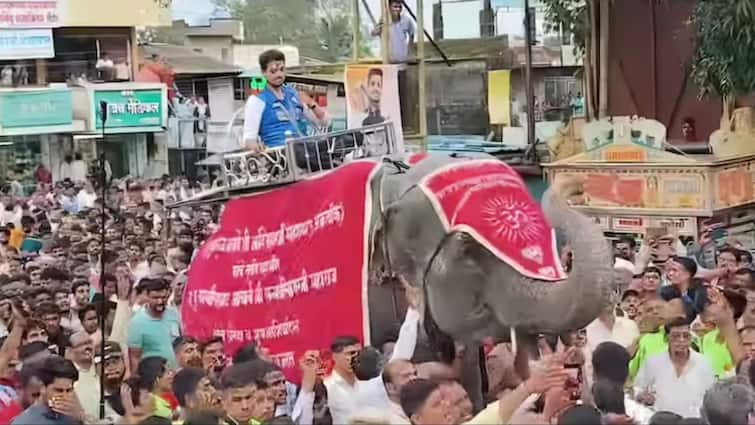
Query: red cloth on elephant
{"points": [[488, 200]]}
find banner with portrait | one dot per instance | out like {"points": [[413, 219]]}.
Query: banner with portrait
{"points": [[372, 97]]}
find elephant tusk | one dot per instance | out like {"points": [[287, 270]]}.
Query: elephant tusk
{"points": [[512, 331]]}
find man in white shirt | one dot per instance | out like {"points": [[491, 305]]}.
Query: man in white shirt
{"points": [[347, 395], [610, 327], [675, 381], [86, 197], [79, 169]]}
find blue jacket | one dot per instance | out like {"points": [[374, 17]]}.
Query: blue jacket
{"points": [[281, 117]]}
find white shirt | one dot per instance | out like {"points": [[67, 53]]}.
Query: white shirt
{"points": [[625, 333], [637, 411], [683, 394], [347, 400], [79, 171], [86, 200], [252, 120]]}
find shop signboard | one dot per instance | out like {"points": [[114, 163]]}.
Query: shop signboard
{"points": [[29, 14], [35, 108], [26, 44], [734, 185], [130, 108], [683, 226], [642, 188]]}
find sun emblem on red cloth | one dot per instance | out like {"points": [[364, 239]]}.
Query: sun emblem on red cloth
{"points": [[511, 219]]}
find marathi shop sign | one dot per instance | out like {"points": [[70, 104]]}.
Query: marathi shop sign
{"points": [[35, 108], [130, 108], [34, 43], [29, 14]]}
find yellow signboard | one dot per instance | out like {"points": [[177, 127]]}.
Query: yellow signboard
{"points": [[734, 185], [642, 189], [499, 97]]}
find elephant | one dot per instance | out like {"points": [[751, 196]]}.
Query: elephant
{"points": [[469, 293]]}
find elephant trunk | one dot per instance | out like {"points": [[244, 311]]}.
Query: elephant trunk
{"points": [[575, 302]]}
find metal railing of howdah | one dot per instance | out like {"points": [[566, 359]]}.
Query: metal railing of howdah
{"points": [[299, 158]]}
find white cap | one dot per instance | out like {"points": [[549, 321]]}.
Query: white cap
{"points": [[622, 264]]}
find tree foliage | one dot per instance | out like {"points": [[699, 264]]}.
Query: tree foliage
{"points": [[568, 16], [320, 29], [724, 61]]}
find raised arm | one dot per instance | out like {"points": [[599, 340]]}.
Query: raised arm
{"points": [[407, 335]]}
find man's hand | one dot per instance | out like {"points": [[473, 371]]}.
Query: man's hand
{"points": [[646, 397], [123, 283], [309, 365], [68, 406], [255, 147], [412, 293], [546, 374]]}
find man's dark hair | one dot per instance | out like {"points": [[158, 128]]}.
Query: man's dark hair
{"points": [[46, 308], [414, 395], [745, 256], [580, 415], [341, 342], [87, 308], [374, 71], [664, 418], [152, 285], [368, 364], [269, 56], [156, 420], [745, 271], [210, 341], [185, 383], [652, 269], [246, 353], [78, 284], [150, 369], [627, 240], [675, 323], [610, 361], [183, 340], [396, 1], [28, 350], [52, 273], [56, 367], [609, 396], [728, 402], [204, 418], [245, 374], [687, 263]]}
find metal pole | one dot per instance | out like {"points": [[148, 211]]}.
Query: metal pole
{"points": [[385, 18], [422, 101], [355, 25], [528, 77], [103, 301]]}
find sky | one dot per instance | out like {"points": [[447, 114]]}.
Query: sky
{"points": [[197, 12]]}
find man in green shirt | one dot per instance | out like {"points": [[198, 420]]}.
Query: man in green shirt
{"points": [[723, 346]]}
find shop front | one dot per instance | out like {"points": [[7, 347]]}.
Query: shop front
{"points": [[135, 113], [634, 186], [30, 120]]}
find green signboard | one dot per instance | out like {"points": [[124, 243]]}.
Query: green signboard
{"points": [[130, 108], [35, 108]]}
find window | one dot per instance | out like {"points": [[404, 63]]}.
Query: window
{"points": [[77, 51], [558, 89], [239, 88]]}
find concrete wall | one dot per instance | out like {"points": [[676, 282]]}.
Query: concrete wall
{"points": [[221, 98], [113, 13], [219, 48]]}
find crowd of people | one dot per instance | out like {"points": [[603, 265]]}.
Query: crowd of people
{"points": [[673, 346]]}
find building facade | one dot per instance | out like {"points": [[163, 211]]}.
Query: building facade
{"points": [[58, 60]]}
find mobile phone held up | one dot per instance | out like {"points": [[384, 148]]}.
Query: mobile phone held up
{"points": [[574, 381]]}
